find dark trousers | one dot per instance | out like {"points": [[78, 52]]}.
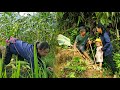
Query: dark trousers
{"points": [[110, 62], [8, 56], [81, 48]]}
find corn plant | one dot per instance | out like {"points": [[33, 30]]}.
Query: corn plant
{"points": [[43, 70]]}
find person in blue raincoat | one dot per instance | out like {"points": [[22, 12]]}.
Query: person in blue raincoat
{"points": [[107, 47], [25, 51]]}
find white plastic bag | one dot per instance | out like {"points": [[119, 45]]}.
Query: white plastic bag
{"points": [[63, 40]]}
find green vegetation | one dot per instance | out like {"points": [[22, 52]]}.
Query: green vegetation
{"points": [[45, 26], [75, 67], [30, 28]]}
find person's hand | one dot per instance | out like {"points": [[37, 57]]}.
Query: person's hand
{"points": [[94, 41], [89, 42], [75, 49]]}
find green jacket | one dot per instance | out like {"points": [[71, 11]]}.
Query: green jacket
{"points": [[82, 40]]}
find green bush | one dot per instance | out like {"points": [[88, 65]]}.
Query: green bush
{"points": [[117, 62], [74, 67]]}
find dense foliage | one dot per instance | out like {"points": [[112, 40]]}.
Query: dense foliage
{"points": [[40, 26], [45, 26]]}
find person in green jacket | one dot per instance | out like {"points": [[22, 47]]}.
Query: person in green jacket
{"points": [[81, 41]]}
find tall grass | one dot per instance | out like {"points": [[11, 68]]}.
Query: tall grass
{"points": [[43, 70], [35, 62], [16, 69], [2, 73], [50, 62], [39, 69], [1, 68]]}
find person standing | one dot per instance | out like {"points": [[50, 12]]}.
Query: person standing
{"points": [[107, 47]]}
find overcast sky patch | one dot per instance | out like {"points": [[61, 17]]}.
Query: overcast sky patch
{"points": [[26, 13]]}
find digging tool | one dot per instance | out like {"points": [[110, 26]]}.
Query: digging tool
{"points": [[81, 54], [92, 52]]}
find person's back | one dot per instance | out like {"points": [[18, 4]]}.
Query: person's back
{"points": [[20, 48], [23, 49]]}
